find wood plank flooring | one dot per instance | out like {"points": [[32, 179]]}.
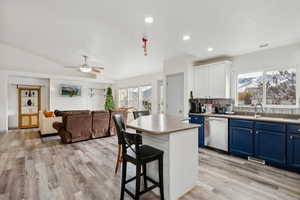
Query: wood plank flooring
{"points": [[33, 168]]}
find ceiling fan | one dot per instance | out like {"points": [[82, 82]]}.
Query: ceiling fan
{"points": [[85, 67]]}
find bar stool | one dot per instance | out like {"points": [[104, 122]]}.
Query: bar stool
{"points": [[137, 114], [135, 152]]}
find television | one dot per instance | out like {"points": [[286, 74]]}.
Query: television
{"points": [[70, 90]]}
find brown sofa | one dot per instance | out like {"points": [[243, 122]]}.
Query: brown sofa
{"points": [[84, 125], [100, 126]]}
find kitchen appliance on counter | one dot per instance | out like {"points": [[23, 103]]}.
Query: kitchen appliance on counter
{"points": [[229, 109], [216, 133], [195, 106]]}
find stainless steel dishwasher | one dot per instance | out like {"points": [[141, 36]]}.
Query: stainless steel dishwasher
{"points": [[216, 133]]}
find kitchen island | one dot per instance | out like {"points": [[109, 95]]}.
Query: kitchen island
{"points": [[179, 141]]}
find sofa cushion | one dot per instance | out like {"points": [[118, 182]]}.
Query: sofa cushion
{"points": [[100, 123], [79, 125], [61, 113]]}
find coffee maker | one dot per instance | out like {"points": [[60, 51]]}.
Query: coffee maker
{"points": [[195, 106]]}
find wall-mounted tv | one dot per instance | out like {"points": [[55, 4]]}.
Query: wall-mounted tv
{"points": [[70, 90]]}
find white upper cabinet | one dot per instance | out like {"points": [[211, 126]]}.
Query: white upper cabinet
{"points": [[212, 81], [201, 79]]}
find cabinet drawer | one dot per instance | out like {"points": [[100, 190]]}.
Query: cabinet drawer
{"points": [[293, 128], [241, 123], [269, 126]]}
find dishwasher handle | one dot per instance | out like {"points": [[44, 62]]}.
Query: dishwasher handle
{"points": [[217, 119]]}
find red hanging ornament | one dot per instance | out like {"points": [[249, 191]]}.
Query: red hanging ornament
{"points": [[145, 40]]}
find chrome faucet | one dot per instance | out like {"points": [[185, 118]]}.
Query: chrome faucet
{"points": [[255, 109]]}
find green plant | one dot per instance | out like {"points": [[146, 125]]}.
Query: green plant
{"points": [[109, 100]]}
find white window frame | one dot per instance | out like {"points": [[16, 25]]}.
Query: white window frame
{"points": [[138, 87], [264, 103]]}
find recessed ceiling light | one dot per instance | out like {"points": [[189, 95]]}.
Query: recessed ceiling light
{"points": [[149, 20], [210, 49], [186, 37]]}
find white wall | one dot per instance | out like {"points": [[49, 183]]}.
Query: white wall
{"points": [[13, 81], [182, 64], [287, 56], [3, 102], [83, 102], [50, 98], [151, 79]]}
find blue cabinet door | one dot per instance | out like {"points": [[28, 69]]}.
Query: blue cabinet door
{"points": [[199, 120], [293, 152], [241, 141], [271, 147]]}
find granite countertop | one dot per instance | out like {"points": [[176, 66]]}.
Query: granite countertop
{"points": [[251, 117], [161, 124]]}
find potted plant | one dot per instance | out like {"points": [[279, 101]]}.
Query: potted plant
{"points": [[109, 100]]}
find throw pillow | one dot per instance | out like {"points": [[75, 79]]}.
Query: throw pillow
{"points": [[49, 114]]}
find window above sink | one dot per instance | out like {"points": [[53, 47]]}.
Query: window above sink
{"points": [[271, 88]]}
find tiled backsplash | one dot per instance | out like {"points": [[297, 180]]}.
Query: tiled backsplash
{"points": [[290, 111], [222, 102]]}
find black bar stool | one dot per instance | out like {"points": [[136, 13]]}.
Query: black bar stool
{"points": [[137, 114], [134, 152]]}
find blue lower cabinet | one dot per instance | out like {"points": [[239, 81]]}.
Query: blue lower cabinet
{"points": [[199, 120], [201, 136], [271, 147], [241, 141], [293, 152]]}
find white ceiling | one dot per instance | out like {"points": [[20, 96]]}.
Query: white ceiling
{"points": [[110, 31]]}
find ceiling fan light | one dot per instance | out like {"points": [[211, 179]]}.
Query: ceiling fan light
{"points": [[85, 69]]}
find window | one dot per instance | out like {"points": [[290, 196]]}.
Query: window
{"points": [[281, 87], [140, 98], [277, 87], [250, 88], [123, 97], [133, 97], [145, 98]]}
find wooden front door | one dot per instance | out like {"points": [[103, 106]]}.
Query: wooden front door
{"points": [[29, 107]]}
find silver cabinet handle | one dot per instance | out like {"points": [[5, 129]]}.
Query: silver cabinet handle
{"points": [[291, 137], [251, 132], [299, 130], [257, 132]]}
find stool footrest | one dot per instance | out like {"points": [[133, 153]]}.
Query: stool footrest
{"points": [[151, 180], [133, 178]]}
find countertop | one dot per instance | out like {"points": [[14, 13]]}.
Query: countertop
{"points": [[248, 117], [161, 124]]}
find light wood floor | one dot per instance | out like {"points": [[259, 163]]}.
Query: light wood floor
{"points": [[31, 168]]}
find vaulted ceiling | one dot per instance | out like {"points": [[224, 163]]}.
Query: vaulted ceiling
{"points": [[110, 31]]}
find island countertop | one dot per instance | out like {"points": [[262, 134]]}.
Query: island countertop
{"points": [[160, 124]]}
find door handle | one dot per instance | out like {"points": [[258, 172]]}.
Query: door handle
{"points": [[180, 111], [294, 137]]}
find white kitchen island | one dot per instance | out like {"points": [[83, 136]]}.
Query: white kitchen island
{"points": [[179, 141]]}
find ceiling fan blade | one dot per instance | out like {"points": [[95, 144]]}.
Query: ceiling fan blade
{"points": [[71, 67], [95, 69]]}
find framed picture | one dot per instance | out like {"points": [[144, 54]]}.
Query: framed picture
{"points": [[70, 90]]}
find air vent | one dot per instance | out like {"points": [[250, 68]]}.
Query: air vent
{"points": [[264, 45]]}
